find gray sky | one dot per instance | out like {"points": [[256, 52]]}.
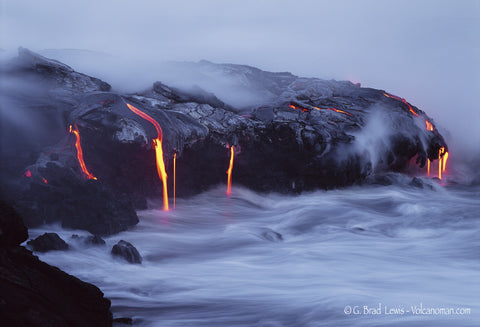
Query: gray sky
{"points": [[426, 51]]}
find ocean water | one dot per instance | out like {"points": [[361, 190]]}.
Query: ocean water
{"points": [[360, 256]]}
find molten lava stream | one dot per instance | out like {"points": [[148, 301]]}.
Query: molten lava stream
{"points": [[229, 171], [78, 146], [174, 178], [157, 145], [388, 95], [428, 167], [441, 153], [445, 158]]}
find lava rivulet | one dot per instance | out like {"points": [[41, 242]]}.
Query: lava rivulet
{"points": [[388, 95], [78, 146], [293, 106], [229, 171], [442, 162], [174, 178], [157, 145]]}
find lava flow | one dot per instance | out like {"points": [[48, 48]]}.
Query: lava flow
{"points": [[442, 162], [78, 146], [336, 110], [157, 145], [429, 126], [293, 106], [229, 171], [174, 177], [388, 95]]}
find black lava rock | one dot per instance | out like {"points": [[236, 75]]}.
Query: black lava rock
{"points": [[126, 251], [12, 230], [89, 240], [271, 235], [48, 242], [33, 293]]}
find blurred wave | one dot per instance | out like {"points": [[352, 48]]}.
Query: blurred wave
{"points": [[274, 260]]}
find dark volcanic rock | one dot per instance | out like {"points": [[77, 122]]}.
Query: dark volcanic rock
{"points": [[271, 235], [33, 293], [12, 230], [76, 202], [89, 240], [127, 251], [48, 242]]}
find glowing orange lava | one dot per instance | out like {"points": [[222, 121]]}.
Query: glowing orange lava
{"points": [[442, 162], [28, 174], [335, 109], [78, 146], [174, 177], [306, 110], [44, 180], [445, 158], [441, 157], [157, 145], [299, 108], [388, 95], [229, 171], [429, 125]]}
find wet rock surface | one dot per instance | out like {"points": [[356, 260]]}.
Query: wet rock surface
{"points": [[12, 230], [33, 293], [47, 242], [296, 134], [126, 251], [89, 240]]}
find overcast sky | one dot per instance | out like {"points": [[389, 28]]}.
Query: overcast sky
{"points": [[426, 51]]}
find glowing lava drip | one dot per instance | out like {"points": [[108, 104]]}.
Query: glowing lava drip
{"points": [[78, 146], [229, 171], [442, 162], [174, 177], [388, 95], [157, 145]]}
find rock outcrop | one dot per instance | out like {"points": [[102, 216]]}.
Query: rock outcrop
{"points": [[127, 251], [48, 242], [33, 293]]}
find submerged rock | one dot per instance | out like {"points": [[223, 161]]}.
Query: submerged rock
{"points": [[48, 242], [271, 235], [123, 321], [126, 251]]}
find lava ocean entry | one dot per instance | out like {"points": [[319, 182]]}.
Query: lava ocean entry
{"points": [[273, 213], [297, 142]]}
